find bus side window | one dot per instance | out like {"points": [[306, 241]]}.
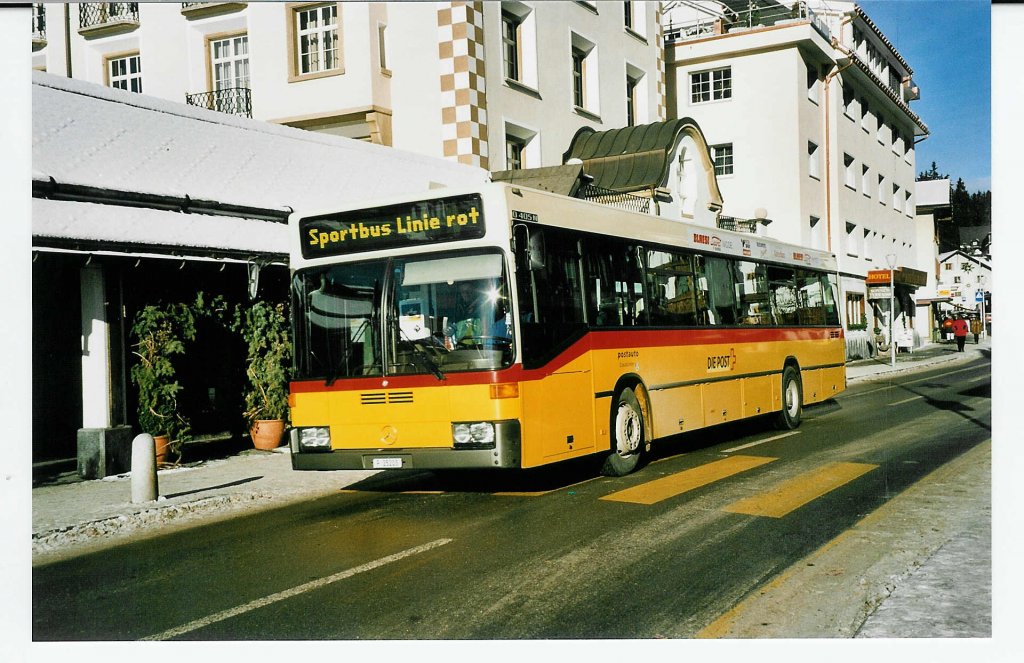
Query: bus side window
{"points": [[670, 289], [811, 300], [782, 288]]}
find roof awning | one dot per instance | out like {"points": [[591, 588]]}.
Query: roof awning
{"points": [[137, 231]]}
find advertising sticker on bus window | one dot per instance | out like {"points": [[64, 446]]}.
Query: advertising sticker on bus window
{"points": [[406, 224]]}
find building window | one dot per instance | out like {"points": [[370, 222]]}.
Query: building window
{"points": [[855, 311], [865, 114], [880, 133], [848, 98], [382, 43], [853, 239], [316, 39], [849, 172], [956, 279], [711, 85], [722, 156], [229, 62], [817, 232], [631, 84], [908, 205], [813, 83], [897, 198], [813, 162], [510, 44], [585, 92], [514, 148], [125, 72], [627, 14], [522, 147], [865, 180], [881, 189], [578, 91]]}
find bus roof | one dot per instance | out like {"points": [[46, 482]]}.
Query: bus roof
{"points": [[533, 206]]}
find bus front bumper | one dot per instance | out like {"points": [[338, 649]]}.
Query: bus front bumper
{"points": [[505, 454]]}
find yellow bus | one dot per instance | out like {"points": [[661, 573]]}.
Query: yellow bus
{"points": [[507, 327]]}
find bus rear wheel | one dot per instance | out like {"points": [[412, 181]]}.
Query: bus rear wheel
{"points": [[792, 399], [627, 436]]}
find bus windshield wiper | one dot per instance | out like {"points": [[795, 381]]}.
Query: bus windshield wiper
{"points": [[420, 353]]}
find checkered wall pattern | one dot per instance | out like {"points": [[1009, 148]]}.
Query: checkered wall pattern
{"points": [[460, 27]]}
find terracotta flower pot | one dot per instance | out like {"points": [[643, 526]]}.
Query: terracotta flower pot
{"points": [[266, 433], [163, 448]]}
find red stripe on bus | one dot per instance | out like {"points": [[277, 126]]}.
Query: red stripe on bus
{"points": [[600, 340]]}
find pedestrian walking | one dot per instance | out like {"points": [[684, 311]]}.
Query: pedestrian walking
{"points": [[960, 330], [976, 329]]}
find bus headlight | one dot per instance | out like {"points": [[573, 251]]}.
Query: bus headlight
{"points": [[315, 438], [475, 435]]}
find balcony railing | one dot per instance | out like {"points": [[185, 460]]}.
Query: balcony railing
{"points": [[38, 22], [758, 17], [626, 201], [100, 14], [739, 225], [232, 100]]}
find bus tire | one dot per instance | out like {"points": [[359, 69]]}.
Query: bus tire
{"points": [[792, 399], [628, 441]]}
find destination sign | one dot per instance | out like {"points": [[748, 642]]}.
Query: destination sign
{"points": [[391, 226]]}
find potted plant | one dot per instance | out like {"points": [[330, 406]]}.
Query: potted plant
{"points": [[265, 330], [159, 332]]}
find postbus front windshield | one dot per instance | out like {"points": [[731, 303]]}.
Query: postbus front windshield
{"points": [[423, 314]]}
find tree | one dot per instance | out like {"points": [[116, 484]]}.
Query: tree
{"points": [[932, 174]]}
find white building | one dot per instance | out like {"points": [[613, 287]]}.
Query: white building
{"points": [[806, 109], [498, 85], [964, 279]]}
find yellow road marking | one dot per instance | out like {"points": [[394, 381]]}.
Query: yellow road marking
{"points": [[536, 493], [767, 439], [792, 494], [676, 484]]}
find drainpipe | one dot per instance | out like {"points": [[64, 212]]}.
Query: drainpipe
{"points": [[828, 140]]}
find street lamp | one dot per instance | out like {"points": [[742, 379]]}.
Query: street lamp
{"points": [[890, 259]]}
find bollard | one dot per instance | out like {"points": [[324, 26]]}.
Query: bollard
{"points": [[143, 469]]}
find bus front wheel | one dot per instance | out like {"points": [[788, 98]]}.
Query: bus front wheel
{"points": [[627, 436], [792, 399]]}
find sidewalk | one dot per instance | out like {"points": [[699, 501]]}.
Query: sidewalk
{"points": [[70, 517]]}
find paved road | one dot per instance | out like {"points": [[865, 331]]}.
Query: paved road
{"points": [[662, 553]]}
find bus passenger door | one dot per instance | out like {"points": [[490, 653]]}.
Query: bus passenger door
{"points": [[558, 414]]}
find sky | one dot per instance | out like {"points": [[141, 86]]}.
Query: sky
{"points": [[948, 45]]}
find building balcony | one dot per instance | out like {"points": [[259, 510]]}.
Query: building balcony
{"points": [[232, 100], [702, 26], [97, 19], [192, 10], [626, 201], [38, 26], [738, 225]]}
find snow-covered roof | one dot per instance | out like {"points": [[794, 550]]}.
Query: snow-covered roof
{"points": [[89, 135], [116, 226]]}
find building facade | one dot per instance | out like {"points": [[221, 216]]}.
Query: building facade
{"points": [[499, 85], [806, 107]]}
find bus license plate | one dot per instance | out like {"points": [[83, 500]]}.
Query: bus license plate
{"points": [[387, 463]]}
